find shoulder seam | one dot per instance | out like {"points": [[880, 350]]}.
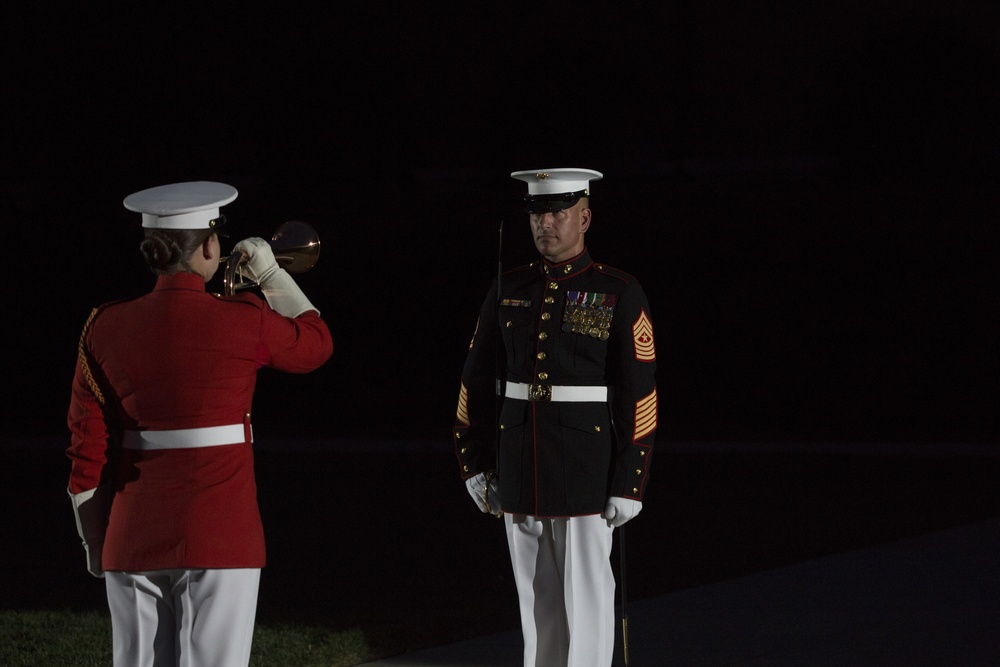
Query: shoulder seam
{"points": [[246, 300], [615, 273]]}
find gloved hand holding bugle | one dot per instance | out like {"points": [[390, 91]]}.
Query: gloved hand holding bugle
{"points": [[277, 286]]}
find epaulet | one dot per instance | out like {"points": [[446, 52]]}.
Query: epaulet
{"points": [[104, 306], [614, 273]]}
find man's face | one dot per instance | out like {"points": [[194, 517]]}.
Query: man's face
{"points": [[559, 236]]}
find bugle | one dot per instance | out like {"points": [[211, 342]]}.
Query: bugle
{"points": [[295, 245]]}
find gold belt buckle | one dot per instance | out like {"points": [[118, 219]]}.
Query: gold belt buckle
{"points": [[540, 392]]}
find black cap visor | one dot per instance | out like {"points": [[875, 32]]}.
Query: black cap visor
{"points": [[552, 203]]}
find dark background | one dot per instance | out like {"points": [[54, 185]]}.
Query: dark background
{"points": [[807, 191]]}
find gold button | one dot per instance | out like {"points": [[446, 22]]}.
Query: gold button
{"points": [[553, 285], [501, 427], [465, 449], [550, 299], [543, 336], [546, 316], [638, 471], [543, 376], [246, 415], [635, 490], [569, 267], [642, 452], [509, 324], [597, 428], [541, 356], [546, 269], [465, 468]]}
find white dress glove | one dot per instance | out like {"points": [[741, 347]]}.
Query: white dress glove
{"points": [[619, 510], [486, 495], [260, 264], [277, 286], [91, 511]]}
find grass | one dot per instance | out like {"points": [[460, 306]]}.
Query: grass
{"points": [[308, 646], [83, 639], [56, 638]]}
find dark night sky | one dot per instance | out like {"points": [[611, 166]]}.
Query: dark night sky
{"points": [[808, 192]]}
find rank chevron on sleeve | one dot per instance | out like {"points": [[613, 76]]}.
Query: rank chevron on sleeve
{"points": [[642, 337]]}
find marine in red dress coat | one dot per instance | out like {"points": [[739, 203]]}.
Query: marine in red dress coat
{"points": [[174, 365], [180, 358]]}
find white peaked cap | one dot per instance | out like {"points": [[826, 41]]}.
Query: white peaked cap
{"points": [[557, 181], [192, 205]]}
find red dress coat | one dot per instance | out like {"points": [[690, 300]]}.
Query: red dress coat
{"points": [[180, 358]]}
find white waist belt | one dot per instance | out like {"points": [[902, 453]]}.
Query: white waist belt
{"points": [[185, 438], [557, 393]]}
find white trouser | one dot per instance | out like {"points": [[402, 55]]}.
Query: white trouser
{"points": [[565, 588], [183, 618]]}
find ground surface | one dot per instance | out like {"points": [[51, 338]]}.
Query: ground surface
{"points": [[384, 537]]}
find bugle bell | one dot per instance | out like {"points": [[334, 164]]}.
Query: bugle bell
{"points": [[295, 245]]}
